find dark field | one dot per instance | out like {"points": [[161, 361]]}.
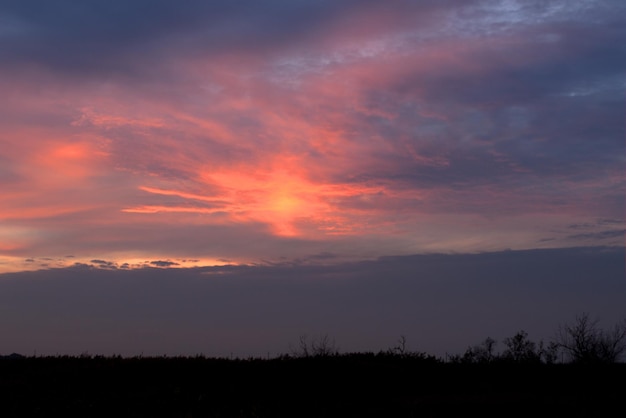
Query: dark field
{"points": [[347, 385]]}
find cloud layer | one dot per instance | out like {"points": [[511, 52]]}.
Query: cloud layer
{"points": [[441, 303], [195, 134]]}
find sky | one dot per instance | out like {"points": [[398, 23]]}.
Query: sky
{"points": [[290, 145]]}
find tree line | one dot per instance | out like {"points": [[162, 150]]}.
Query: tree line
{"points": [[582, 341]]}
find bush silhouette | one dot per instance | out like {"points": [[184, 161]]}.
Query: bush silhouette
{"points": [[323, 346]]}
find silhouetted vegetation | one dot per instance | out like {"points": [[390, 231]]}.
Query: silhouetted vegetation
{"points": [[581, 342], [585, 342], [322, 347], [316, 380]]}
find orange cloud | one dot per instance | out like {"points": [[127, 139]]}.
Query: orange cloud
{"points": [[281, 195]]}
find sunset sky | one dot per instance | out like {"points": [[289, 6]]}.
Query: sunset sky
{"points": [[170, 138]]}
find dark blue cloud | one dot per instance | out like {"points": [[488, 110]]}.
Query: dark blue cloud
{"points": [[117, 37], [162, 263], [104, 264], [524, 118], [608, 234], [439, 302]]}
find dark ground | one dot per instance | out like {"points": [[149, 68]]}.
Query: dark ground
{"points": [[349, 385]]}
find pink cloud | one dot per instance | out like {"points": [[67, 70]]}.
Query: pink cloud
{"points": [[370, 129]]}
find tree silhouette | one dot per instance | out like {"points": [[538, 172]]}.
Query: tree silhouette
{"points": [[520, 349], [584, 342], [401, 348], [481, 353]]}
